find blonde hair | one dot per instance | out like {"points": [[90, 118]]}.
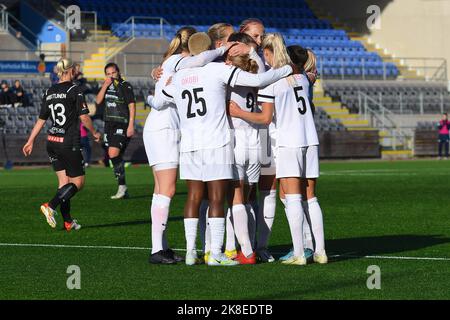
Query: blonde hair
{"points": [[245, 63], [198, 43], [217, 32], [311, 63], [63, 66], [275, 43], [180, 42]]}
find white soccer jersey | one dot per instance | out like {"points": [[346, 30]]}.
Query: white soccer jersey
{"points": [[200, 97], [166, 118], [294, 119]]}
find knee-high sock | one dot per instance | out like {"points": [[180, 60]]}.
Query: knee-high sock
{"points": [[266, 215], [307, 236], [240, 219], [295, 218], [230, 243], [202, 222], [119, 170], [315, 213], [65, 193], [65, 211], [190, 231], [160, 214], [217, 226]]}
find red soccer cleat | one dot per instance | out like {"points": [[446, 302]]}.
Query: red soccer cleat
{"points": [[246, 260]]}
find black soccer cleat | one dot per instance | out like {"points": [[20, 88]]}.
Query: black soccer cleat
{"points": [[162, 257], [174, 256]]}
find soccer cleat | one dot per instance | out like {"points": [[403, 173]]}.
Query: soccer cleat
{"points": [[309, 253], [242, 259], [49, 214], [191, 258], [299, 261], [161, 257], [221, 260], [174, 256], [321, 258], [231, 254], [72, 225], [264, 255], [122, 193], [287, 256], [206, 257]]}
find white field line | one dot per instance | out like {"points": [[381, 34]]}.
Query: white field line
{"points": [[147, 249]]}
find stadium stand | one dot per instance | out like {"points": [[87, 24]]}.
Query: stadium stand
{"points": [[338, 55], [400, 97]]}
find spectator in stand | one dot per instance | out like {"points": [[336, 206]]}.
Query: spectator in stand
{"points": [[20, 94], [444, 127], [54, 76], [7, 97], [85, 144], [80, 80]]}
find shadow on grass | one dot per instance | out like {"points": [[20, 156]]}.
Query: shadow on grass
{"points": [[128, 223], [352, 248]]}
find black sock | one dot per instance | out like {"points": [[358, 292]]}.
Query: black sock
{"points": [[119, 169], [64, 194], [65, 211]]}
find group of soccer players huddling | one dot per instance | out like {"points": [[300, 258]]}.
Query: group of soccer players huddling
{"points": [[233, 110]]}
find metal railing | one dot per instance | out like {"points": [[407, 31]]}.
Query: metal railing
{"points": [[381, 118], [131, 29], [3, 17], [428, 69], [24, 34], [137, 64]]}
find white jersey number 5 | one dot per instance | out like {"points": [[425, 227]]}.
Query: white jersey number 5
{"points": [[58, 111]]}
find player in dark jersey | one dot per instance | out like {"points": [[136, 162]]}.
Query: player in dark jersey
{"points": [[120, 110], [64, 104]]}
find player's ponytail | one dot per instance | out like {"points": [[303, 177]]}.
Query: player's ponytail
{"points": [[275, 43], [180, 42], [252, 66], [244, 62], [63, 66], [311, 63]]}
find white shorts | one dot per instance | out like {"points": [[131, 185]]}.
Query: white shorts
{"points": [[207, 165], [162, 147], [247, 166], [268, 154], [298, 162]]}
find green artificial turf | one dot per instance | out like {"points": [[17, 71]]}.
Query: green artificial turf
{"points": [[374, 208]]}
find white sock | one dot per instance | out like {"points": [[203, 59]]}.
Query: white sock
{"points": [[307, 237], [230, 243], [295, 218], [190, 231], [240, 218], [316, 216], [217, 226], [266, 215], [160, 214], [202, 222]]}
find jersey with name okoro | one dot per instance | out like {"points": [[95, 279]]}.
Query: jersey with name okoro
{"points": [[199, 94], [64, 103], [293, 115], [117, 98]]}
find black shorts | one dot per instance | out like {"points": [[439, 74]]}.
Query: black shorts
{"points": [[66, 158], [116, 135]]}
